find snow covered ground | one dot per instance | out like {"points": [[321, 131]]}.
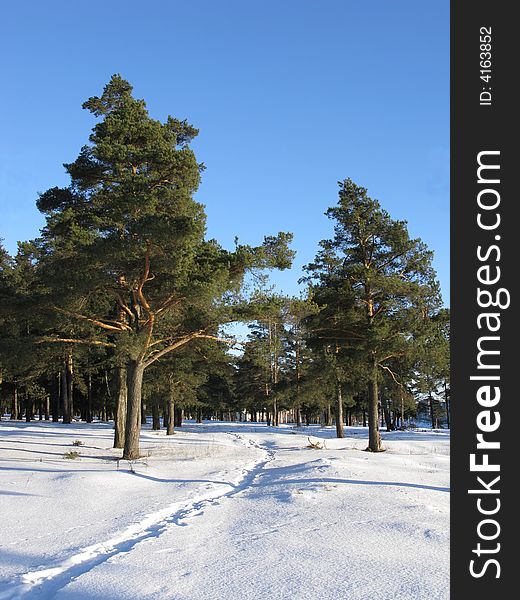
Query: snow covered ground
{"points": [[223, 511]]}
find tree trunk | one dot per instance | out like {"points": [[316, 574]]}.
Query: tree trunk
{"points": [[55, 397], [374, 437], [88, 412], [64, 389], [70, 384], [447, 401], [432, 413], [386, 413], [178, 416], [276, 416], [121, 408], [29, 409], [340, 433], [328, 415], [135, 372], [156, 421], [170, 412], [15, 410], [298, 377]]}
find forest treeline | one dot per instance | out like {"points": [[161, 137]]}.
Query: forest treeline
{"points": [[118, 309]]}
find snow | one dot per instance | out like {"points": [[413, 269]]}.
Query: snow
{"points": [[223, 510]]}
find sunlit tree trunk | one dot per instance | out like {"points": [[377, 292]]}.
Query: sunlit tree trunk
{"points": [[121, 408], [135, 372]]}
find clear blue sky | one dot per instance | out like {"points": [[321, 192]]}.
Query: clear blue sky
{"points": [[290, 96]]}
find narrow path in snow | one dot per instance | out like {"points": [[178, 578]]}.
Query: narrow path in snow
{"points": [[44, 583]]}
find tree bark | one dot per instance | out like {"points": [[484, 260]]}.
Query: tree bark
{"points": [[121, 408], [135, 372], [328, 415], [340, 432], [64, 389], [15, 410], [29, 409], [374, 437], [447, 401], [55, 397], [70, 384], [178, 416], [170, 412], [88, 411], [156, 421], [298, 377], [432, 412], [386, 413]]}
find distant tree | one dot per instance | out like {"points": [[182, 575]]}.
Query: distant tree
{"points": [[298, 356], [433, 362]]}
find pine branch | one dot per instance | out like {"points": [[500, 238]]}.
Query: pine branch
{"points": [[53, 340], [392, 374], [100, 323]]}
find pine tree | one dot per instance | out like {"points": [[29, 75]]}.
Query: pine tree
{"points": [[388, 282], [126, 262]]}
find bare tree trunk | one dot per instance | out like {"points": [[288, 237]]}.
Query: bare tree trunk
{"points": [[135, 372], [340, 432], [70, 383], [432, 413], [328, 415], [276, 416], [374, 437], [88, 416], [298, 377], [29, 409], [386, 414], [143, 411], [170, 412], [15, 410], [156, 421], [64, 389], [447, 401], [121, 408], [178, 416], [55, 397], [165, 414]]}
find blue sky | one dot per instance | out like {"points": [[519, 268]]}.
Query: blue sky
{"points": [[290, 96]]}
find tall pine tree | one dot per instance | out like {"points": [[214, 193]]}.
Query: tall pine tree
{"points": [[125, 255], [388, 284]]}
